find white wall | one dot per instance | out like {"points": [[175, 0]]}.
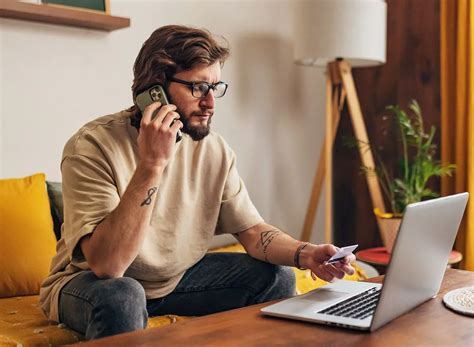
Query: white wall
{"points": [[56, 78]]}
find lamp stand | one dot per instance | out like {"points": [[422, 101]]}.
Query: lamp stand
{"points": [[339, 88]]}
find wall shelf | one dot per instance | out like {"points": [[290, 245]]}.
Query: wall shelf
{"points": [[60, 15]]}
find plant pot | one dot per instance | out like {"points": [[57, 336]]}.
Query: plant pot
{"points": [[388, 231], [389, 223]]}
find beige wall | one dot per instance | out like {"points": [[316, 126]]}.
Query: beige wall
{"points": [[55, 78]]}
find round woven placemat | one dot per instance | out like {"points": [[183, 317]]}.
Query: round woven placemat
{"points": [[460, 300]]}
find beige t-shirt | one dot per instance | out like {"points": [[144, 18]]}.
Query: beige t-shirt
{"points": [[200, 194]]}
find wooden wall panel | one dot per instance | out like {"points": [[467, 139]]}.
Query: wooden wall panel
{"points": [[412, 71]]}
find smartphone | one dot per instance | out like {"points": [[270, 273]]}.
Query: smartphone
{"points": [[155, 93]]}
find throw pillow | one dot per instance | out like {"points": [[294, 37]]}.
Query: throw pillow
{"points": [[26, 233], [55, 194]]}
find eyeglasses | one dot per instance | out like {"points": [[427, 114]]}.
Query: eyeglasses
{"points": [[201, 89]]}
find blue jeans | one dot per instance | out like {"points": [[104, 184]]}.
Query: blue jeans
{"points": [[220, 281]]}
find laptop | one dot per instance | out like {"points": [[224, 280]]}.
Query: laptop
{"points": [[418, 262]]}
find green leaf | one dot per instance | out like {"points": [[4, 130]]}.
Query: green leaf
{"points": [[416, 165]]}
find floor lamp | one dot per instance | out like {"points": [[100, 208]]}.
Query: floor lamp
{"points": [[340, 35]]}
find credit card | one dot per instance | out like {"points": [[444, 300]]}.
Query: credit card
{"points": [[341, 253]]}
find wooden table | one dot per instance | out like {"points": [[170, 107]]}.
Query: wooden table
{"points": [[430, 324]]}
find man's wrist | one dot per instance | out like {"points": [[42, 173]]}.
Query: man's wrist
{"points": [[306, 255], [150, 169], [297, 256]]}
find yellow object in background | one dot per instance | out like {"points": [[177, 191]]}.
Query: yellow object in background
{"points": [[26, 233], [457, 112], [378, 212]]}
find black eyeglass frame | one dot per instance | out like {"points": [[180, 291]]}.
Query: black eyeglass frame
{"points": [[191, 86]]}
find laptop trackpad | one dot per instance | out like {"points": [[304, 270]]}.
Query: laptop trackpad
{"points": [[325, 295]]}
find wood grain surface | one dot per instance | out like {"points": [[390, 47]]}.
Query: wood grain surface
{"points": [[412, 71], [430, 324]]}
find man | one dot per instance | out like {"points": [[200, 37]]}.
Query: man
{"points": [[140, 210]]}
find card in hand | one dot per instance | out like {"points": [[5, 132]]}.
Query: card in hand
{"points": [[341, 253]]}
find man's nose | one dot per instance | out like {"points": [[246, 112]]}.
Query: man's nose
{"points": [[208, 100]]}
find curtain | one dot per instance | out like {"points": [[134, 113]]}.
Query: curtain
{"points": [[457, 112]]}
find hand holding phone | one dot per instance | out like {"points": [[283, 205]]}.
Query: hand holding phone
{"points": [[153, 94], [341, 253]]}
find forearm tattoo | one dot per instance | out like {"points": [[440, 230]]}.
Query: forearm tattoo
{"points": [[266, 237], [151, 192]]}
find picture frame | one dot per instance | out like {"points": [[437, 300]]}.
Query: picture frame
{"points": [[96, 6]]}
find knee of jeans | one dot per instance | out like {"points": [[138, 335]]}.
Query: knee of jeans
{"points": [[285, 281], [123, 299], [279, 282]]}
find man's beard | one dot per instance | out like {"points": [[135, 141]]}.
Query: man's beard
{"points": [[197, 132]]}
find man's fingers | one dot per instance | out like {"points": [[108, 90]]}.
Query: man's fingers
{"points": [[345, 264], [349, 259], [324, 274], [162, 113], [149, 111], [348, 269], [155, 114], [329, 251], [335, 271], [177, 125], [169, 118]]}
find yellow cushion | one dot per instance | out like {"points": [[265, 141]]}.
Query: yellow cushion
{"points": [[22, 323], [26, 233]]}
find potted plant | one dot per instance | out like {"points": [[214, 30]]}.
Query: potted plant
{"points": [[407, 184]]}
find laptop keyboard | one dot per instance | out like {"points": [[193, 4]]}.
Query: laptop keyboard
{"points": [[360, 306]]}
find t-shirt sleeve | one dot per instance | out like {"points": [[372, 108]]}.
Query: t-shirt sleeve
{"points": [[237, 212], [89, 195]]}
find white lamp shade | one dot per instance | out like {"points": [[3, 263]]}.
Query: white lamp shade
{"points": [[355, 30]]}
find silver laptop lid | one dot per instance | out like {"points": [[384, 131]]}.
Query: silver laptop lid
{"points": [[419, 256]]}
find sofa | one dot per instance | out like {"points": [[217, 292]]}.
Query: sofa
{"points": [[30, 225]]}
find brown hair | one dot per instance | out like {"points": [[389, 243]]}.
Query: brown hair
{"points": [[171, 49]]}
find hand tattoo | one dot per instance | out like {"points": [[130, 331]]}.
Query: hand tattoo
{"points": [[266, 237], [147, 201]]}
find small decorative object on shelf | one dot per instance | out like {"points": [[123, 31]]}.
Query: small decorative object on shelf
{"points": [[417, 165], [89, 5], [98, 18]]}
